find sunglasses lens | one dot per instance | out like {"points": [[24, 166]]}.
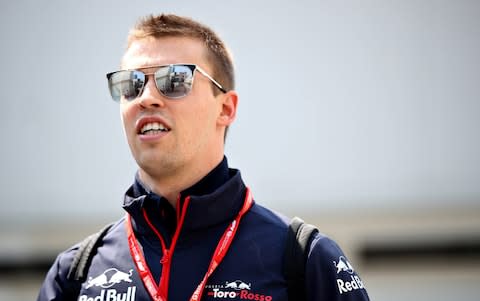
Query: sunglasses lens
{"points": [[126, 85], [174, 81]]}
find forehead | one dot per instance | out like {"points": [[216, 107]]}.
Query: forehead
{"points": [[164, 51]]}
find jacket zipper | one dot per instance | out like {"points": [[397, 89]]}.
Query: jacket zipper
{"points": [[168, 253]]}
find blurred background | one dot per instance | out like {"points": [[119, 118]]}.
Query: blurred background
{"points": [[360, 116]]}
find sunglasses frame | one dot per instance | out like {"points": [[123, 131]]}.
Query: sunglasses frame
{"points": [[192, 67]]}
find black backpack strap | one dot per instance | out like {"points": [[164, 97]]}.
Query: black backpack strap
{"points": [[83, 257], [296, 252]]}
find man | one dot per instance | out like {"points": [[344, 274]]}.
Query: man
{"points": [[192, 230]]}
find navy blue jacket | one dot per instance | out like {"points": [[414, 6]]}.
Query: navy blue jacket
{"points": [[251, 270]]}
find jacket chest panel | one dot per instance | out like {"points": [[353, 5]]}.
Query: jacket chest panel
{"points": [[248, 273]]}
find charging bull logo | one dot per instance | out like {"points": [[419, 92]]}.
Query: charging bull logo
{"points": [[109, 277], [238, 285], [343, 265]]}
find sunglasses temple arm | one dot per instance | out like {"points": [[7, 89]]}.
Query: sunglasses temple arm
{"points": [[211, 78]]}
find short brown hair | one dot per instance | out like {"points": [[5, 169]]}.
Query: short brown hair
{"points": [[169, 25]]}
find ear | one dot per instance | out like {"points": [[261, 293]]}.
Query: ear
{"points": [[229, 108]]}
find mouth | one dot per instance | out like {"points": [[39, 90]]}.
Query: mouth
{"points": [[153, 128]]}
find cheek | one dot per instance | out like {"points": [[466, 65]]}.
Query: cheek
{"points": [[127, 117], [125, 112], [193, 126], [201, 119]]}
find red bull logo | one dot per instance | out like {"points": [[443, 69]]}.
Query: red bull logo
{"points": [[345, 286], [105, 281], [108, 278], [343, 265]]}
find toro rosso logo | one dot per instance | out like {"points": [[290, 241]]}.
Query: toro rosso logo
{"points": [[238, 285], [109, 278]]}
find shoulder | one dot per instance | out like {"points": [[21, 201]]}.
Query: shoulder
{"points": [[324, 246], [263, 219], [57, 284], [65, 259], [268, 217]]}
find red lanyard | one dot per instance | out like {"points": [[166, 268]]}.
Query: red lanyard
{"points": [[159, 292]]}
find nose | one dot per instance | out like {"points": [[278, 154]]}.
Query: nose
{"points": [[150, 97]]}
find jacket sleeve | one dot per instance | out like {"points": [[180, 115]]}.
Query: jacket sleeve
{"points": [[329, 275], [55, 286]]}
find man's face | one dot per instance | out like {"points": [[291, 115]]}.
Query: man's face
{"points": [[191, 134]]}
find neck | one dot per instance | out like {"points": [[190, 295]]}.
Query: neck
{"points": [[170, 186]]}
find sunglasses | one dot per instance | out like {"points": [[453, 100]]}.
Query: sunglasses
{"points": [[173, 81]]}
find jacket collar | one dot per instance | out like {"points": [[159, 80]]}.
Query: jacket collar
{"points": [[216, 198]]}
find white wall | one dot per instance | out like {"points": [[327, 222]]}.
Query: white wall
{"points": [[382, 113]]}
